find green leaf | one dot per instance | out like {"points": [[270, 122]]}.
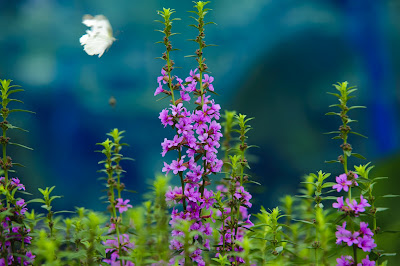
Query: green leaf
{"points": [[380, 178], [329, 198], [14, 127], [388, 254], [332, 113], [20, 145], [21, 110], [254, 182], [162, 98], [328, 184], [390, 196], [380, 209], [332, 132], [35, 201], [304, 196], [359, 156], [14, 91], [358, 134], [356, 107], [64, 212], [303, 221], [332, 161], [18, 164], [334, 94]]}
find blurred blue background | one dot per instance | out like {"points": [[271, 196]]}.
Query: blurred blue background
{"points": [[275, 61]]}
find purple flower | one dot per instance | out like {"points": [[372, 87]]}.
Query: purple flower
{"points": [[358, 207], [366, 262], [28, 261], [351, 239], [207, 82], [178, 165], [165, 118], [20, 203], [159, 89], [342, 233], [16, 182], [185, 96], [339, 204], [342, 183], [173, 195], [363, 203], [113, 249], [166, 168], [193, 76], [366, 243], [345, 261], [164, 77], [208, 199], [122, 205], [364, 230]]}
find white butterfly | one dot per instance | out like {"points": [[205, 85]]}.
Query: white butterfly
{"points": [[99, 38]]}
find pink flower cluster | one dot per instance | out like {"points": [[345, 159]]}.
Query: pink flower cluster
{"points": [[361, 238], [15, 233], [113, 250], [229, 235], [343, 182], [351, 206], [126, 246], [349, 261], [196, 140]]}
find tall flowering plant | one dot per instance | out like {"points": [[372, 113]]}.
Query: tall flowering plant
{"points": [[120, 244], [15, 237], [353, 232], [233, 200], [196, 140]]}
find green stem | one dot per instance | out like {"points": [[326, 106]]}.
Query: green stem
{"points": [[355, 254], [169, 78]]}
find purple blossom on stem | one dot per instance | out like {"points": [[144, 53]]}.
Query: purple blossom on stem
{"points": [[122, 205], [207, 82], [113, 249], [199, 133], [362, 238], [17, 183], [342, 183], [366, 262], [342, 233], [366, 243], [345, 261], [339, 204]]}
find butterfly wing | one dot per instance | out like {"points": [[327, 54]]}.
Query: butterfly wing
{"points": [[97, 44], [99, 37]]}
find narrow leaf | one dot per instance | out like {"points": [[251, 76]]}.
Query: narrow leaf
{"points": [[20, 145]]}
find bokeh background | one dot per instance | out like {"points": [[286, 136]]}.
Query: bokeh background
{"points": [[275, 61]]}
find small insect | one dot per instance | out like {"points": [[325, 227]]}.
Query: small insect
{"points": [[99, 37], [112, 101]]}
